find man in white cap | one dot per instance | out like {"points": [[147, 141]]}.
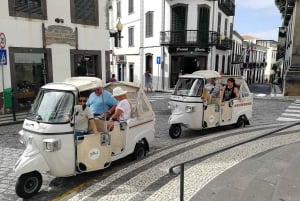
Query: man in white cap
{"points": [[123, 109]]}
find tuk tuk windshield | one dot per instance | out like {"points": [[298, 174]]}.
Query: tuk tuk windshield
{"points": [[52, 106], [189, 87]]}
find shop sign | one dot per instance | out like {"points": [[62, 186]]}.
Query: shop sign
{"points": [[187, 49]]}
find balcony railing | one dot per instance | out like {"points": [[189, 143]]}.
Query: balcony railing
{"points": [[185, 38], [219, 42], [227, 6], [199, 38]]}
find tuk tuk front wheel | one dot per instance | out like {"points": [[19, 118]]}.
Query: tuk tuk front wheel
{"points": [[175, 131], [28, 184]]}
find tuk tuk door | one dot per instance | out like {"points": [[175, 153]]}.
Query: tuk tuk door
{"points": [[211, 115], [93, 152]]}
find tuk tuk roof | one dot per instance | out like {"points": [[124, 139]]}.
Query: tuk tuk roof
{"points": [[84, 83], [207, 74]]}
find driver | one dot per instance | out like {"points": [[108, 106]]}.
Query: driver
{"points": [[84, 117], [213, 88]]}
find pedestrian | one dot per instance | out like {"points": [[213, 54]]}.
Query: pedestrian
{"points": [[122, 111], [101, 102], [113, 78], [148, 81], [83, 118]]}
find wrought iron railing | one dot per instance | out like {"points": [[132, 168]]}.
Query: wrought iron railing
{"points": [[200, 38], [227, 6]]}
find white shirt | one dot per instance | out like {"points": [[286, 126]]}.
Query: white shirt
{"points": [[82, 118], [213, 90], [125, 107]]}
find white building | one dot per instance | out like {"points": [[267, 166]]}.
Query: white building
{"points": [[237, 54], [50, 40], [170, 37]]}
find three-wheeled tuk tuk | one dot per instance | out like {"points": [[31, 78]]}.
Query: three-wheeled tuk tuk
{"points": [[193, 107], [51, 146]]}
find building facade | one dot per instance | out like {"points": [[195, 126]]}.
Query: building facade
{"points": [[289, 46], [50, 40], [171, 37]]}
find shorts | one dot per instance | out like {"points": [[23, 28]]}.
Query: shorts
{"points": [[149, 85]]}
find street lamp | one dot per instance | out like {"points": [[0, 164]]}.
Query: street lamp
{"points": [[117, 34]]}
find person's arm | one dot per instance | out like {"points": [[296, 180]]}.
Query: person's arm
{"points": [[236, 92], [117, 114], [222, 93]]}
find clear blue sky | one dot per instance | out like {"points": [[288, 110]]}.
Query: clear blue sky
{"points": [[258, 18]]}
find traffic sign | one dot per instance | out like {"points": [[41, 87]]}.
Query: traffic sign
{"points": [[3, 57], [2, 40], [157, 60]]}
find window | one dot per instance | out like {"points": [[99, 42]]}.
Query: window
{"points": [[84, 12], [118, 9], [219, 23], [217, 63], [149, 24], [36, 9], [130, 6], [225, 28], [130, 37]]}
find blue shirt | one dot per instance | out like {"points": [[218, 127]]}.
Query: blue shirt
{"points": [[96, 102]]}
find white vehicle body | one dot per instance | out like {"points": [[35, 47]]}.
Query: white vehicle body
{"points": [[192, 106], [51, 146]]}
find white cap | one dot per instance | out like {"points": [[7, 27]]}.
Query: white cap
{"points": [[118, 91]]}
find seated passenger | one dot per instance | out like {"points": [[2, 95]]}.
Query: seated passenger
{"points": [[83, 118], [230, 91], [123, 109], [213, 88]]}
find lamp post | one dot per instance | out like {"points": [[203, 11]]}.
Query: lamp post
{"points": [[117, 34]]}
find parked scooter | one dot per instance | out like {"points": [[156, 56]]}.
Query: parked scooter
{"points": [[193, 107], [51, 146]]}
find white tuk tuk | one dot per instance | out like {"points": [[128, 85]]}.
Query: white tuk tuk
{"points": [[193, 107], [51, 146]]}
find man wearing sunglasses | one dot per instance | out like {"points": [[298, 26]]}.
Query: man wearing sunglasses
{"points": [[84, 118], [101, 102]]}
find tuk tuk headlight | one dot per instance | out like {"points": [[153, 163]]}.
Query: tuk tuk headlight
{"points": [[172, 106], [22, 138], [51, 144], [189, 108]]}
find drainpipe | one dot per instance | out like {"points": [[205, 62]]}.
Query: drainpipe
{"points": [[162, 47]]}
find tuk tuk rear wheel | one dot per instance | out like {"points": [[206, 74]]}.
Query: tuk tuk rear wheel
{"points": [[241, 123], [139, 151], [28, 184], [175, 131]]}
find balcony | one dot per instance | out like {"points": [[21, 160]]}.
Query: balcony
{"points": [[227, 6], [185, 38], [201, 39], [237, 59], [216, 40], [291, 3]]}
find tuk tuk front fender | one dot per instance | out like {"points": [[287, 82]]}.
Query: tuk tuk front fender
{"points": [[27, 164], [178, 118]]}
